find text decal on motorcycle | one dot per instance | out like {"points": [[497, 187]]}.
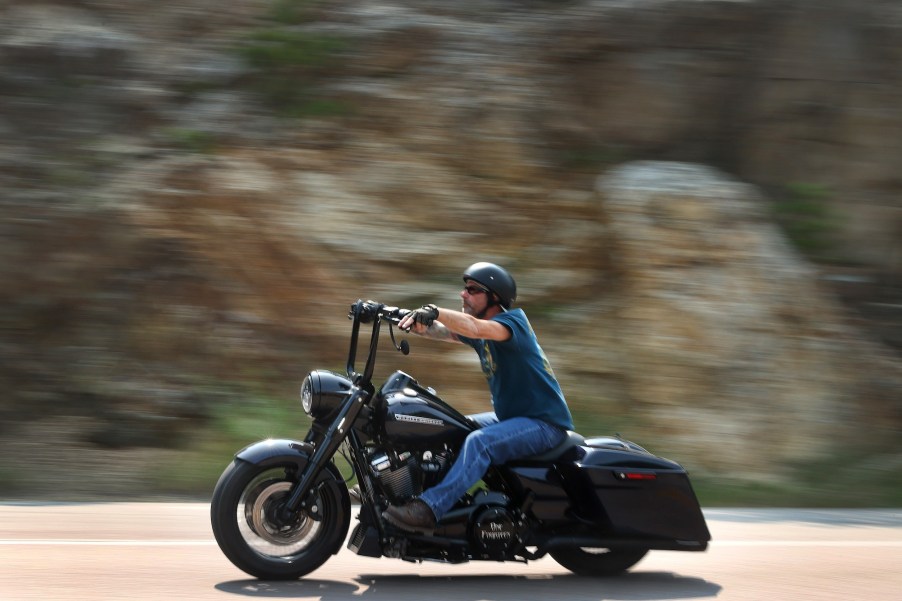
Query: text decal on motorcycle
{"points": [[402, 417]]}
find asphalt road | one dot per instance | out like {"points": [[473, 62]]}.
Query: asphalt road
{"points": [[165, 551]]}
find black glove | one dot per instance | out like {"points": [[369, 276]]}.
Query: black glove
{"points": [[425, 315]]}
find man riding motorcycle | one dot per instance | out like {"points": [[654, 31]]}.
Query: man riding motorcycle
{"points": [[530, 414]]}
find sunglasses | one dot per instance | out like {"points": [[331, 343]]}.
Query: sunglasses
{"points": [[471, 290]]}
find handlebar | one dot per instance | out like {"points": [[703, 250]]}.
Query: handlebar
{"points": [[368, 311]]}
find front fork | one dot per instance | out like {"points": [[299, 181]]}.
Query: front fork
{"points": [[303, 493]]}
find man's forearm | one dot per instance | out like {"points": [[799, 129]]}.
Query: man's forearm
{"points": [[463, 324], [438, 331], [458, 323]]}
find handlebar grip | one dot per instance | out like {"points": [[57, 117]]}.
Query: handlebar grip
{"points": [[368, 310], [365, 310], [394, 314]]}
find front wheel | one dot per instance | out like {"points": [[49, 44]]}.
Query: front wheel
{"points": [[243, 515], [591, 561]]}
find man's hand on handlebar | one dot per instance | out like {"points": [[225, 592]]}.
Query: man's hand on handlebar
{"points": [[419, 319]]}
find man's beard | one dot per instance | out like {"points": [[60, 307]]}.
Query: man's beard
{"points": [[465, 308]]}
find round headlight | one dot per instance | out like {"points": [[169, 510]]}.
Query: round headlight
{"points": [[323, 392], [307, 395]]}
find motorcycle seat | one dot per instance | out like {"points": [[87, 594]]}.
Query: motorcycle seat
{"points": [[573, 439]]}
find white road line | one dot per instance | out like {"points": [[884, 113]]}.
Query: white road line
{"points": [[104, 543], [806, 543], [202, 543]]}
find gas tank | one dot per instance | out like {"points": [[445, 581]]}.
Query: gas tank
{"points": [[416, 418]]}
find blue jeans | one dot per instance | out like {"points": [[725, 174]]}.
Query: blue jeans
{"points": [[495, 443]]}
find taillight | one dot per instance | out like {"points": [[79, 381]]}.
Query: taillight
{"points": [[636, 475]]}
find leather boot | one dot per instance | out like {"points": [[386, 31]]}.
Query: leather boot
{"points": [[414, 516]]}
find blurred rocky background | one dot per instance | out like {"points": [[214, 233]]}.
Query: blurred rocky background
{"points": [[699, 199]]}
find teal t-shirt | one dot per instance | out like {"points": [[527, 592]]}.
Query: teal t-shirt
{"points": [[520, 378]]}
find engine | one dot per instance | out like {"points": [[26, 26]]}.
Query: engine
{"points": [[405, 475], [488, 520]]}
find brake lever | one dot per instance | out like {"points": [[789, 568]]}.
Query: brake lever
{"points": [[404, 347]]}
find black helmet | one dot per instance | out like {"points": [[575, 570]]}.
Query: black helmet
{"points": [[494, 278]]}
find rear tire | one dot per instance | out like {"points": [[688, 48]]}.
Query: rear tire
{"points": [[241, 514], [591, 561]]}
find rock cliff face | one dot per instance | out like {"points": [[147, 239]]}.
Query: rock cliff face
{"points": [[165, 224], [729, 338]]}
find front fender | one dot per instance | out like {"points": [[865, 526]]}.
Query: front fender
{"points": [[277, 452]]}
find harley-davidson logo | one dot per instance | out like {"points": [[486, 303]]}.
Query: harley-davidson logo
{"points": [[416, 419]]}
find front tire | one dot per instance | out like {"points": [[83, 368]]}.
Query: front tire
{"points": [[586, 561], [242, 515]]}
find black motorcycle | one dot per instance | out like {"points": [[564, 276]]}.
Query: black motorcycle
{"points": [[596, 505]]}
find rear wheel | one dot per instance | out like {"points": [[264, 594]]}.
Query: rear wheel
{"points": [[593, 561], [244, 516]]}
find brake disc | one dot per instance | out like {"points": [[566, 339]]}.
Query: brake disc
{"points": [[265, 505]]}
